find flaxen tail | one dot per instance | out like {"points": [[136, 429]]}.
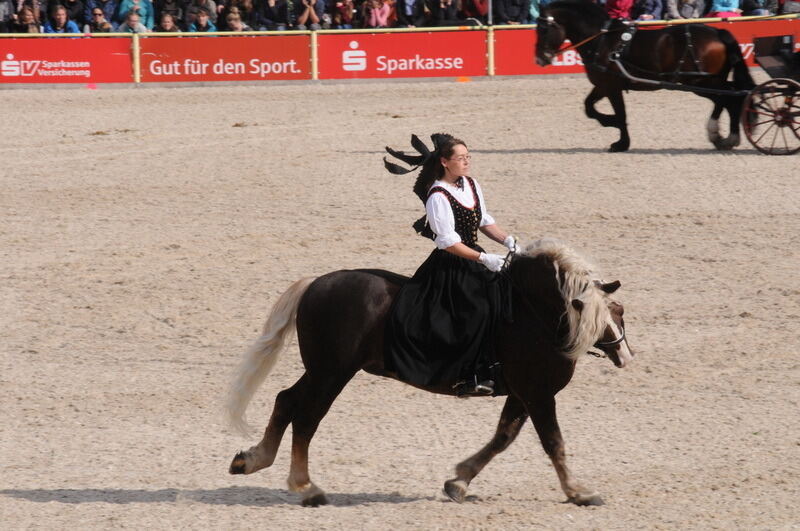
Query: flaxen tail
{"points": [[261, 357]]}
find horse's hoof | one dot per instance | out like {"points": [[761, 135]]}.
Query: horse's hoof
{"points": [[456, 490], [619, 147], [585, 500], [315, 501], [238, 464], [723, 146]]}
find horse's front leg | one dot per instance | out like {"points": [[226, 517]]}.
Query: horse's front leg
{"points": [[543, 414], [621, 122], [606, 120], [511, 420]]}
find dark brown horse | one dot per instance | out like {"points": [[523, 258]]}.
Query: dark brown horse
{"points": [[693, 57], [560, 311]]}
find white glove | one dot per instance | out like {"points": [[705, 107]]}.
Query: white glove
{"points": [[511, 244], [493, 262]]}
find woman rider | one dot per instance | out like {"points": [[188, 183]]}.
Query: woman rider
{"points": [[442, 324]]}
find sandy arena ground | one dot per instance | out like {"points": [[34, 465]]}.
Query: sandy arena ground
{"points": [[145, 234]]}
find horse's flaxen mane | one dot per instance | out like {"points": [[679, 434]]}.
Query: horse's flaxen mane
{"points": [[579, 282]]}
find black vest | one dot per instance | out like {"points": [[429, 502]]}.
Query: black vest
{"points": [[467, 219]]}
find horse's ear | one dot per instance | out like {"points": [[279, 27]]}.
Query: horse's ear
{"points": [[611, 287], [577, 304]]}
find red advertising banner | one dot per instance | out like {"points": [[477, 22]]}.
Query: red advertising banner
{"points": [[240, 58], [66, 60], [515, 48], [397, 55], [745, 32]]}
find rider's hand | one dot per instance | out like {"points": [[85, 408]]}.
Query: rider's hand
{"points": [[493, 262], [511, 244]]}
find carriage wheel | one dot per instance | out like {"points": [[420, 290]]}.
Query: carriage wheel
{"points": [[771, 117]]}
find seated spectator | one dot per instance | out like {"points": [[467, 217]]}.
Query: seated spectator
{"points": [[511, 11], [143, 7], [25, 21], [59, 22], [376, 14], [194, 6], [108, 7], [676, 9], [234, 23], [38, 7], [444, 12], [477, 9], [787, 7], [167, 24], [533, 12], [411, 13], [7, 12], [759, 8], [75, 11], [307, 14], [171, 7], [342, 14], [619, 8], [202, 22], [647, 10], [132, 24], [275, 16], [98, 24], [725, 9], [247, 12]]}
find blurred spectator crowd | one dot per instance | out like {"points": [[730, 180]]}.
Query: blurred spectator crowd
{"points": [[139, 16]]}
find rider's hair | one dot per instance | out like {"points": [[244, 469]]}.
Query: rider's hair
{"points": [[432, 169]]}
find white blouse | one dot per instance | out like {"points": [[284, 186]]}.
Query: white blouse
{"points": [[440, 213]]}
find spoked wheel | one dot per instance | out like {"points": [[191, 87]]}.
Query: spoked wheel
{"points": [[771, 117]]}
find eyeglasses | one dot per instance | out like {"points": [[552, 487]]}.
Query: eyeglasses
{"points": [[462, 158], [97, 14]]}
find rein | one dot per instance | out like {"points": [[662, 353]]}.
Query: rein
{"points": [[584, 41]]}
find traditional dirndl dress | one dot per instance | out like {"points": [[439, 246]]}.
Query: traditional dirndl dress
{"points": [[442, 324]]}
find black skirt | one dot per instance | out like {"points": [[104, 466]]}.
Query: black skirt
{"points": [[442, 324]]}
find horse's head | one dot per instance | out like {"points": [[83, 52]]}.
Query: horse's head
{"points": [[575, 20], [550, 35], [549, 268], [612, 341]]}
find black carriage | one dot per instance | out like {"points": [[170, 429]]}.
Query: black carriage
{"points": [[771, 117]]}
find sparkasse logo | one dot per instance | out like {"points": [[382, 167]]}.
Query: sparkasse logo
{"points": [[13, 68], [354, 60]]}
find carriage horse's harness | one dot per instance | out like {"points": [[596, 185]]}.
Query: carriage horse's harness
{"points": [[628, 29]]}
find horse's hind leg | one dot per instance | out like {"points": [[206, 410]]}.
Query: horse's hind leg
{"points": [[511, 420], [543, 414], [311, 408], [712, 126], [263, 454]]}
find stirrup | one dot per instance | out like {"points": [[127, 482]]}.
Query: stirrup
{"points": [[466, 389]]}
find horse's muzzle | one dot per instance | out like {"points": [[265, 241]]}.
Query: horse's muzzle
{"points": [[544, 59]]}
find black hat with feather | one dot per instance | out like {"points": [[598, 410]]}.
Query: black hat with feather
{"points": [[427, 159]]}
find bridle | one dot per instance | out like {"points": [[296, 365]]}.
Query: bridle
{"points": [[601, 344], [550, 22]]}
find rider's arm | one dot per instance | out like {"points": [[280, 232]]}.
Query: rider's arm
{"points": [[494, 232]]}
